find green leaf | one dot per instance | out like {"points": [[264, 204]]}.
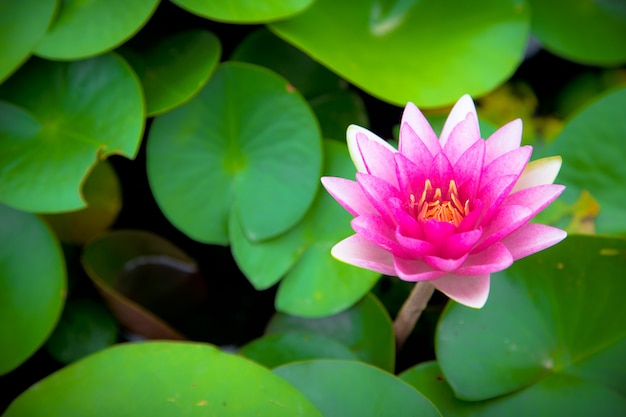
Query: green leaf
{"points": [[245, 146], [32, 286], [58, 119], [244, 11], [428, 51], [338, 110], [173, 70], [162, 379], [592, 145], [278, 349], [344, 388], [315, 284], [83, 29], [103, 195], [557, 394], [85, 327], [148, 282], [21, 27], [557, 312], [557, 25], [365, 328]]}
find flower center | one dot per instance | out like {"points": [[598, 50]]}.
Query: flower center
{"points": [[434, 205]]}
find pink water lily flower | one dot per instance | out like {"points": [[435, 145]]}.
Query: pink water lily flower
{"points": [[449, 210]]}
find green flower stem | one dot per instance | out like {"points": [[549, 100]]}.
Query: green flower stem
{"points": [[410, 312]]}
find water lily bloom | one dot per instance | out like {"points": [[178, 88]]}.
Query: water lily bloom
{"points": [[448, 210]]}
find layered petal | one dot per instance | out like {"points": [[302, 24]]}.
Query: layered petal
{"points": [[531, 238], [375, 230], [413, 271], [349, 194], [377, 158], [493, 259], [471, 291], [416, 134], [503, 140], [535, 198], [355, 131], [357, 251], [378, 193], [510, 163], [463, 107], [539, 172], [462, 137]]}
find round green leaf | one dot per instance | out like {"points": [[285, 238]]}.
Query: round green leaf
{"points": [[557, 25], [244, 11], [173, 70], [86, 28], [278, 349], [60, 119], [557, 312], [315, 284], [365, 328], [345, 388], [32, 286], [247, 145], [162, 379], [429, 52], [103, 195], [557, 394], [85, 327], [22, 25], [148, 282], [593, 147]]}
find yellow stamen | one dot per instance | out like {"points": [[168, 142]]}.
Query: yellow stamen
{"points": [[432, 206]]}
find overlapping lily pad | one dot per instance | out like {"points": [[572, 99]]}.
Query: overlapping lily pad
{"points": [[21, 27], [57, 120], [365, 329], [32, 285], [557, 24], [346, 388], [247, 146], [173, 70], [243, 11], [162, 379], [83, 29], [549, 318], [314, 284], [428, 51]]}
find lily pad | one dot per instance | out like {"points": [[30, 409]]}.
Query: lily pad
{"points": [[246, 146], [365, 328], [345, 388], [162, 379], [593, 147], [278, 349], [22, 26], [314, 284], [57, 120], [557, 394], [103, 195], [428, 51], [553, 313], [149, 283], [243, 11], [557, 26], [83, 29], [173, 70], [32, 285]]}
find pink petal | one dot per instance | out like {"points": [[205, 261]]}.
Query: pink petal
{"points": [[355, 250], [352, 133], [441, 171], [378, 159], [493, 259], [443, 264], [470, 220], [406, 224], [531, 238], [459, 244], [462, 108], [375, 230], [535, 198], [511, 163], [416, 134], [493, 194], [468, 169], [504, 222], [349, 194], [411, 176], [410, 270], [437, 232], [462, 137], [503, 140], [539, 172], [471, 291], [414, 248], [378, 193]]}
